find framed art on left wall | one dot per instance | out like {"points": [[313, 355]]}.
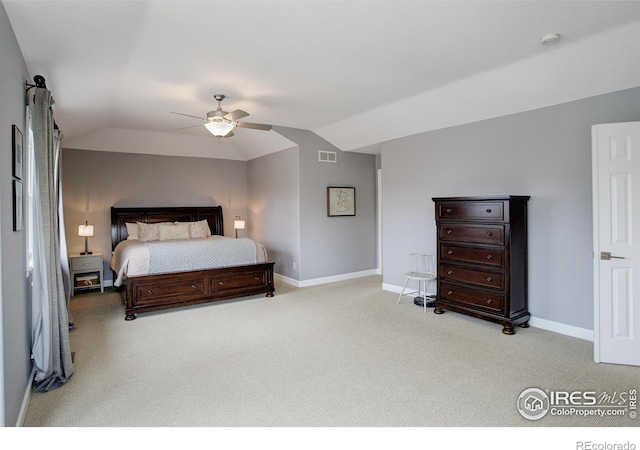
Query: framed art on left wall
{"points": [[18, 152], [17, 205]]}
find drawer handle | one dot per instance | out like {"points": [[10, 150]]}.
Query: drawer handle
{"points": [[450, 293], [489, 233], [149, 292], [450, 272], [489, 301], [449, 231], [489, 256], [450, 252], [193, 286], [256, 278], [489, 279], [220, 283], [488, 210], [449, 210]]}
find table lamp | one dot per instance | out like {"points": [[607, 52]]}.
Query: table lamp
{"points": [[85, 230], [238, 224]]}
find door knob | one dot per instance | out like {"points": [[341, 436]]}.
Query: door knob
{"points": [[608, 256]]}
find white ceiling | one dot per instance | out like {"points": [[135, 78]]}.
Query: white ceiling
{"points": [[355, 72]]}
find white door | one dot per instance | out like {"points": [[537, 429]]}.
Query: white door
{"points": [[616, 219]]}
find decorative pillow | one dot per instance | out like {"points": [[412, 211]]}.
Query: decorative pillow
{"points": [[132, 231], [199, 229], [148, 231], [169, 231]]}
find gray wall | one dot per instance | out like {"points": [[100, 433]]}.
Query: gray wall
{"points": [[544, 153], [274, 208], [15, 320], [332, 246], [94, 181], [282, 197]]}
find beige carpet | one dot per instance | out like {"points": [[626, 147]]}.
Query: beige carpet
{"points": [[337, 355]]}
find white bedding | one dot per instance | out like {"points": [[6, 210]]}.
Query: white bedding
{"points": [[132, 257]]}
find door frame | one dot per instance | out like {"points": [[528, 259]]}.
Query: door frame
{"points": [[595, 206]]}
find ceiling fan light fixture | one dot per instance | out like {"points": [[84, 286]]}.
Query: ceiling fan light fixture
{"points": [[220, 128], [221, 123]]}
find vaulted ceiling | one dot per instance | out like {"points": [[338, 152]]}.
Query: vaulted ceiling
{"points": [[357, 73]]}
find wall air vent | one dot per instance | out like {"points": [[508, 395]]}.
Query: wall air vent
{"points": [[327, 156]]}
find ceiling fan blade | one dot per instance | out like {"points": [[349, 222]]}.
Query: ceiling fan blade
{"points": [[184, 128], [188, 115], [255, 126], [235, 115], [228, 135]]}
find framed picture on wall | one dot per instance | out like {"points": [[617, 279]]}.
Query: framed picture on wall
{"points": [[341, 201], [18, 153], [17, 205]]}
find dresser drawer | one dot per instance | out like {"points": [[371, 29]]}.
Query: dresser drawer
{"points": [[85, 263], [470, 297], [482, 234], [478, 277], [471, 211], [171, 292], [489, 257]]}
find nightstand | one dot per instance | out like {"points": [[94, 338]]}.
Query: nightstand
{"points": [[86, 272]]}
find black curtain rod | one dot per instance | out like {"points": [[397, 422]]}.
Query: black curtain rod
{"points": [[39, 82]]}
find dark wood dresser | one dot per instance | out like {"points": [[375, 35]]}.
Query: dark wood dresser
{"points": [[482, 258]]}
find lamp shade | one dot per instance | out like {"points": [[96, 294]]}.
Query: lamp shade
{"points": [[238, 224], [85, 230], [220, 128]]}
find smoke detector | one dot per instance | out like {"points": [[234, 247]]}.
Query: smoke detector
{"points": [[550, 39]]}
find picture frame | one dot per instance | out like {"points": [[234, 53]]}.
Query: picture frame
{"points": [[17, 205], [18, 152], [341, 201]]}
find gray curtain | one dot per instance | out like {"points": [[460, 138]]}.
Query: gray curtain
{"points": [[50, 317], [64, 258]]}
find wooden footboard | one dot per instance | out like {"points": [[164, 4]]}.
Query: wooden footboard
{"points": [[156, 292]]}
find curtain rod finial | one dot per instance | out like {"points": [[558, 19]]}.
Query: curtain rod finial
{"points": [[40, 81]]}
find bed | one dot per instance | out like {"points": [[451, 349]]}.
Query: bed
{"points": [[172, 289]]}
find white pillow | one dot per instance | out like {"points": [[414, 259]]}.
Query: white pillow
{"points": [[148, 231], [132, 231], [197, 230], [167, 231]]}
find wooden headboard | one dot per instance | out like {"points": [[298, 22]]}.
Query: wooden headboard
{"points": [[120, 216]]}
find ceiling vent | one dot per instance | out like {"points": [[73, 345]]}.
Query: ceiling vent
{"points": [[327, 156]]}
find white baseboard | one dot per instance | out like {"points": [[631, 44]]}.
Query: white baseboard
{"points": [[284, 279], [549, 325], [562, 328], [397, 289], [25, 400], [325, 280]]}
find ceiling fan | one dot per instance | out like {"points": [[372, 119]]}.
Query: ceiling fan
{"points": [[221, 123]]}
